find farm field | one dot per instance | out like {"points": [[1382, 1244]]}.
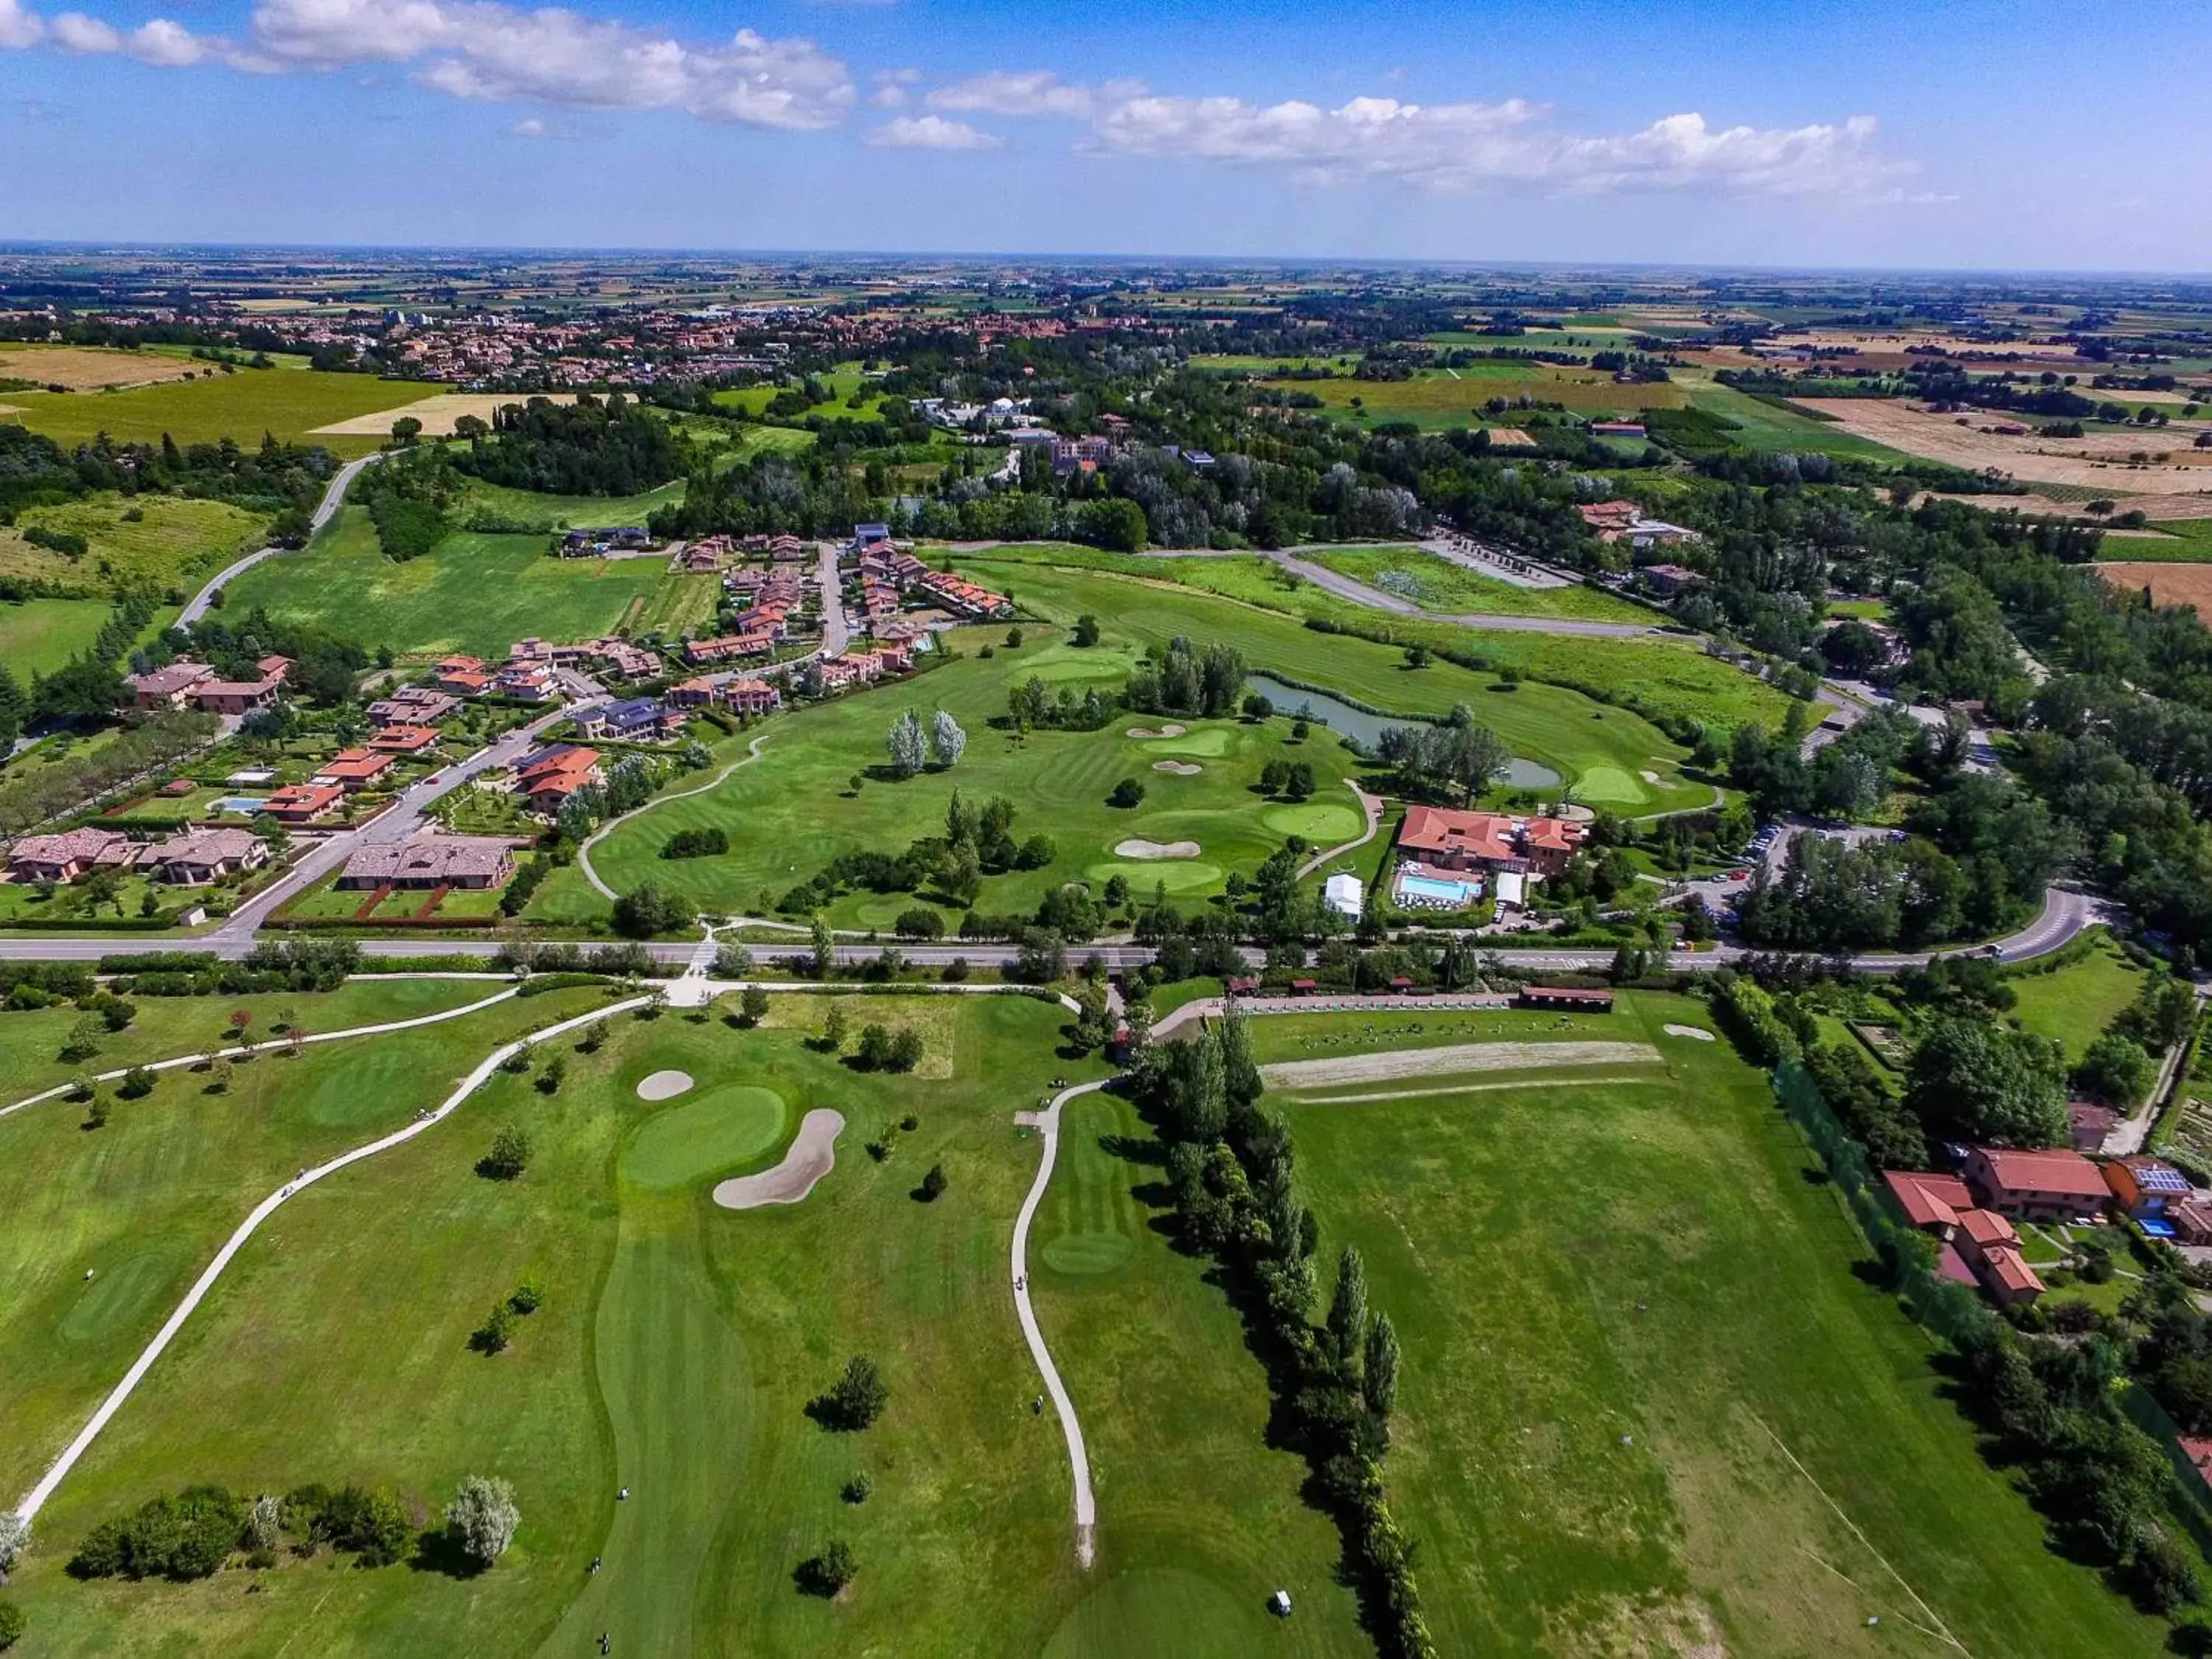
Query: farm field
{"points": [[171, 542], [789, 812], [37, 637], [1437, 584], [1596, 1399], [473, 592], [88, 368], [1445, 399], [1766, 426], [2100, 460], [1562, 729], [841, 383], [437, 412], [675, 1351], [240, 406], [2170, 581], [2073, 1005], [144, 1202]]}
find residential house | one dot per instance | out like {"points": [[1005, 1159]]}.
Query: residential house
{"points": [[2146, 1187], [463, 676], [550, 776], [1990, 1249], [633, 720], [702, 560], [353, 769], [787, 549], [413, 705], [2089, 1124], [167, 688], [750, 696], [701, 653], [695, 693], [526, 682], [198, 857], [234, 696], [1668, 579], [66, 856], [303, 803], [402, 739], [963, 597], [2192, 1221], [430, 861], [2035, 1186]]}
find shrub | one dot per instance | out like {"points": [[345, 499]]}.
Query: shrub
{"points": [[137, 1083], [1127, 794], [497, 1331], [509, 1157], [482, 1517], [856, 1490], [696, 843], [919, 921], [527, 1298], [753, 1004], [12, 1624], [646, 909], [933, 1184], [827, 1574], [856, 1399], [186, 1536]]}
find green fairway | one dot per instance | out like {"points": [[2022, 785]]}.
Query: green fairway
{"points": [[789, 812], [102, 1230], [473, 592], [1625, 1305], [37, 637], [173, 540], [1198, 1522], [1157, 598], [674, 1354], [242, 407], [1437, 584], [2073, 1005]]}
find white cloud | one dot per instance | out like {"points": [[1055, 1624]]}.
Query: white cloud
{"points": [[75, 32], [533, 128], [890, 96], [170, 46], [19, 27], [1457, 146], [164, 44], [932, 132], [1002, 92], [484, 49]]}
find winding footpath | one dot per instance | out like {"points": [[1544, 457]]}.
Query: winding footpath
{"points": [[325, 510], [1046, 1124], [35, 1500]]}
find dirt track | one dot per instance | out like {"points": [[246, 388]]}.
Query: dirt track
{"points": [[1455, 1057]]}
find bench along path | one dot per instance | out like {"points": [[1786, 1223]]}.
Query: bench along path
{"points": [[36, 1499]]}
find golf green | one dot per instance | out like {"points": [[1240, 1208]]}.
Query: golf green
{"points": [[706, 1135], [1143, 875], [1608, 784], [1323, 825]]}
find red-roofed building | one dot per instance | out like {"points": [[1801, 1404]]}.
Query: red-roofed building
{"points": [[2036, 1186], [303, 803], [404, 739], [750, 696], [352, 769], [1931, 1202], [547, 779], [1988, 1244], [1459, 841]]}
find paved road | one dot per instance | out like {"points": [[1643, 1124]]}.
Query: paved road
{"points": [[36, 1499], [1046, 1124], [332, 496], [1347, 587], [837, 633]]}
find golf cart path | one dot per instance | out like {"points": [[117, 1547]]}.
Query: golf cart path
{"points": [[1046, 1124], [60, 1089], [36, 1497], [1371, 807]]}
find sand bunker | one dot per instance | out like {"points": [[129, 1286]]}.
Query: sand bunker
{"points": [[664, 1085], [1454, 1057], [1157, 850], [1696, 1032], [1157, 732], [813, 1153], [1181, 768]]}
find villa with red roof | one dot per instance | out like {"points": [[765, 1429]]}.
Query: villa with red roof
{"points": [[2036, 1186]]}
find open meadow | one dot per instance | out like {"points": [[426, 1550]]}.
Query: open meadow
{"points": [[473, 592], [37, 637], [1646, 1403], [1444, 398], [287, 404], [154, 540]]}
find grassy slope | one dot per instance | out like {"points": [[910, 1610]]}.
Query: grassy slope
{"points": [[1444, 586], [1674, 676], [145, 1201], [2076, 1003], [1510, 1235], [173, 539], [241, 406], [40, 636], [1199, 1521], [788, 814], [473, 592], [677, 1348]]}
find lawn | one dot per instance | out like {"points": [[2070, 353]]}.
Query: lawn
{"points": [[473, 592], [1597, 1391], [1672, 675], [2075, 1004], [790, 811], [37, 637], [171, 542], [144, 1203], [2179, 541], [1437, 584], [673, 1355], [241, 406], [1443, 398]]}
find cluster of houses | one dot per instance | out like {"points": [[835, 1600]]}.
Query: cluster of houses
{"points": [[598, 543], [184, 683], [612, 653], [1971, 1213], [192, 858], [429, 862], [522, 679], [1625, 521]]}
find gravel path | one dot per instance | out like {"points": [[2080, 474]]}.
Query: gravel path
{"points": [[813, 1154], [1046, 1124], [1453, 1057], [36, 1499]]}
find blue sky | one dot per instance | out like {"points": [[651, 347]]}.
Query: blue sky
{"points": [[2024, 135]]}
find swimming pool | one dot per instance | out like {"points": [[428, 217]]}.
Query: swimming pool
{"points": [[1429, 888], [237, 804]]}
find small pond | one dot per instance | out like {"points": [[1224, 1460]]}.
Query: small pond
{"points": [[1340, 716]]}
